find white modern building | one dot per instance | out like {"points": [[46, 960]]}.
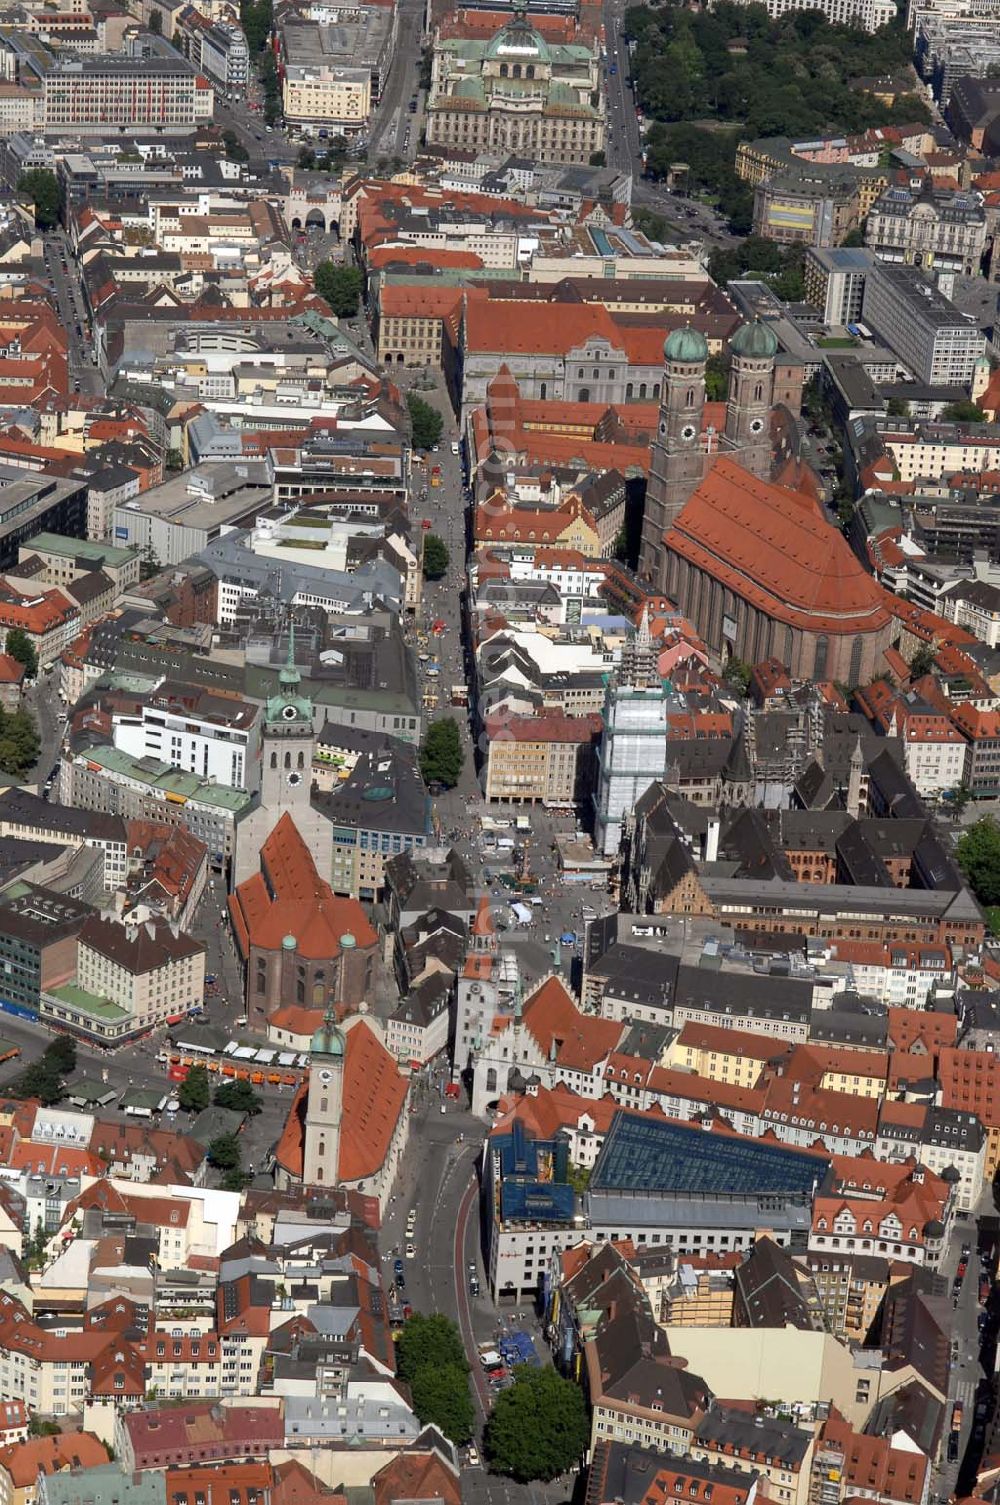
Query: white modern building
{"points": [[198, 734], [923, 327]]}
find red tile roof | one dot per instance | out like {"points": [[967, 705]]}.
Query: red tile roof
{"points": [[547, 726], [740, 1042], [24, 1461], [201, 1430], [564, 1034], [375, 1093], [907, 1027], [773, 548], [873, 1466], [292, 899], [417, 1476]]}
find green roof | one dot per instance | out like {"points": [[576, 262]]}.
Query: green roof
{"points": [[167, 780], [142, 1097], [88, 1089], [79, 548], [88, 1003], [106, 1484]]}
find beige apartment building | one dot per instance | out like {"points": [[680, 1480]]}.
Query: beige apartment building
{"points": [[148, 971], [327, 97], [547, 759]]}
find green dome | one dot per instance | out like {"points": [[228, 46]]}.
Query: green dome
{"points": [[756, 340], [519, 42], [328, 1039], [686, 344]]}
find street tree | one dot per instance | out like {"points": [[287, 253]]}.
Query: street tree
{"points": [[20, 646], [428, 423], [149, 563], [978, 854], [234, 148], [538, 1428], [61, 1052], [194, 1094], [43, 1078], [436, 557], [239, 1096], [441, 1399], [224, 1152], [40, 1079], [429, 1342], [256, 18], [20, 743], [340, 285], [441, 756], [41, 189]]}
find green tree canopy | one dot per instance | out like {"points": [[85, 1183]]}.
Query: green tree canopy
{"points": [[239, 1096], [978, 854], [340, 285], [436, 557], [194, 1093], [922, 661], [964, 412], [441, 756], [731, 66], [441, 1398], [783, 77], [44, 1078], [234, 148], [256, 18], [433, 1342], [20, 646], [225, 1152], [39, 1426], [538, 1428], [738, 674], [427, 422], [271, 86], [717, 377], [20, 743], [40, 187], [61, 1052], [782, 267]]}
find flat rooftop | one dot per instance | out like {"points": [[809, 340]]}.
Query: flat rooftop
{"points": [[345, 44]]}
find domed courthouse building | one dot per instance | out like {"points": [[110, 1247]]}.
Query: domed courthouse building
{"points": [[754, 565], [516, 93]]}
